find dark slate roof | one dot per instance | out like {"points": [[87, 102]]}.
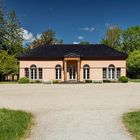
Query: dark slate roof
{"points": [[58, 52]]}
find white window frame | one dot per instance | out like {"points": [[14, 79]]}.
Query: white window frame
{"points": [[86, 72], [33, 72], [58, 72], [111, 72]]}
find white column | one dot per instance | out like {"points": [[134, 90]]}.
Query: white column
{"points": [[65, 70], [78, 70]]}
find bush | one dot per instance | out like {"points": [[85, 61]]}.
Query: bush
{"points": [[56, 81], [38, 81], [23, 80], [106, 81], [123, 79], [88, 81], [97, 81]]}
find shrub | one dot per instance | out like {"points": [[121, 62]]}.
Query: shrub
{"points": [[23, 80], [88, 81], [97, 81], [38, 81], [123, 79], [106, 81], [56, 81]]}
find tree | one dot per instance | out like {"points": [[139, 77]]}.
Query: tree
{"points": [[133, 64], [46, 38], [2, 28], [8, 64], [14, 36], [112, 37], [131, 39]]}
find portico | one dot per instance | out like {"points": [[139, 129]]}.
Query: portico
{"points": [[72, 67]]}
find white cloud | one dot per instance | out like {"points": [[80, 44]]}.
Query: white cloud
{"points": [[38, 36], [76, 42], [89, 29], [80, 37], [92, 29], [27, 36]]}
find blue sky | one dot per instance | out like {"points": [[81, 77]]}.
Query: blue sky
{"points": [[74, 20]]}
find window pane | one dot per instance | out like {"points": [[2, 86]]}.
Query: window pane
{"points": [[58, 73], [35, 73], [27, 72], [86, 73], [113, 73], [118, 72], [32, 74], [40, 73], [104, 73]]}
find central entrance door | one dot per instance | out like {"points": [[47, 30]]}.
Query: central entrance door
{"points": [[72, 72]]}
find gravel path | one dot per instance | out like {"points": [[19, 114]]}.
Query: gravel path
{"points": [[74, 112]]}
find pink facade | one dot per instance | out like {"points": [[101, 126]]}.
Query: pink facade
{"points": [[73, 69]]}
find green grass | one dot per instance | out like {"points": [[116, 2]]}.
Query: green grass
{"points": [[14, 125], [135, 80], [132, 123]]}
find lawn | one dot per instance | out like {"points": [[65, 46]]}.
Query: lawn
{"points": [[132, 123], [135, 80], [14, 125]]}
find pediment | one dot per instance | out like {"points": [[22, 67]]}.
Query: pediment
{"points": [[71, 55]]}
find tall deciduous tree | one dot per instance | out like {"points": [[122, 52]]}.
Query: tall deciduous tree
{"points": [[133, 64], [131, 39], [14, 36], [2, 28], [8, 64], [46, 38], [112, 37]]}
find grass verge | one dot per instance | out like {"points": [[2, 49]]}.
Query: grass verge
{"points": [[135, 80], [132, 123], [14, 125]]}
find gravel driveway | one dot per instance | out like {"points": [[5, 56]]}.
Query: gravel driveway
{"points": [[74, 112]]}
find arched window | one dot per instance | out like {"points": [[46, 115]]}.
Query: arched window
{"points": [[58, 72], [86, 72], [33, 69], [111, 69]]}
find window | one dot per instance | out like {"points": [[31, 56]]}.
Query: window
{"points": [[33, 72], [104, 73], [58, 72], [111, 72], [86, 72], [27, 72], [40, 73], [118, 73], [72, 72]]}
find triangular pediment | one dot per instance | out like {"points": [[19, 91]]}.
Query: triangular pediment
{"points": [[72, 55]]}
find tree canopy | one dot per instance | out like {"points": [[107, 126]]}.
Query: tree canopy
{"points": [[133, 64], [8, 64], [131, 39], [112, 37], [46, 38]]}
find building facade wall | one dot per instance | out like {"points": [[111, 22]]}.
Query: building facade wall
{"points": [[96, 68]]}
